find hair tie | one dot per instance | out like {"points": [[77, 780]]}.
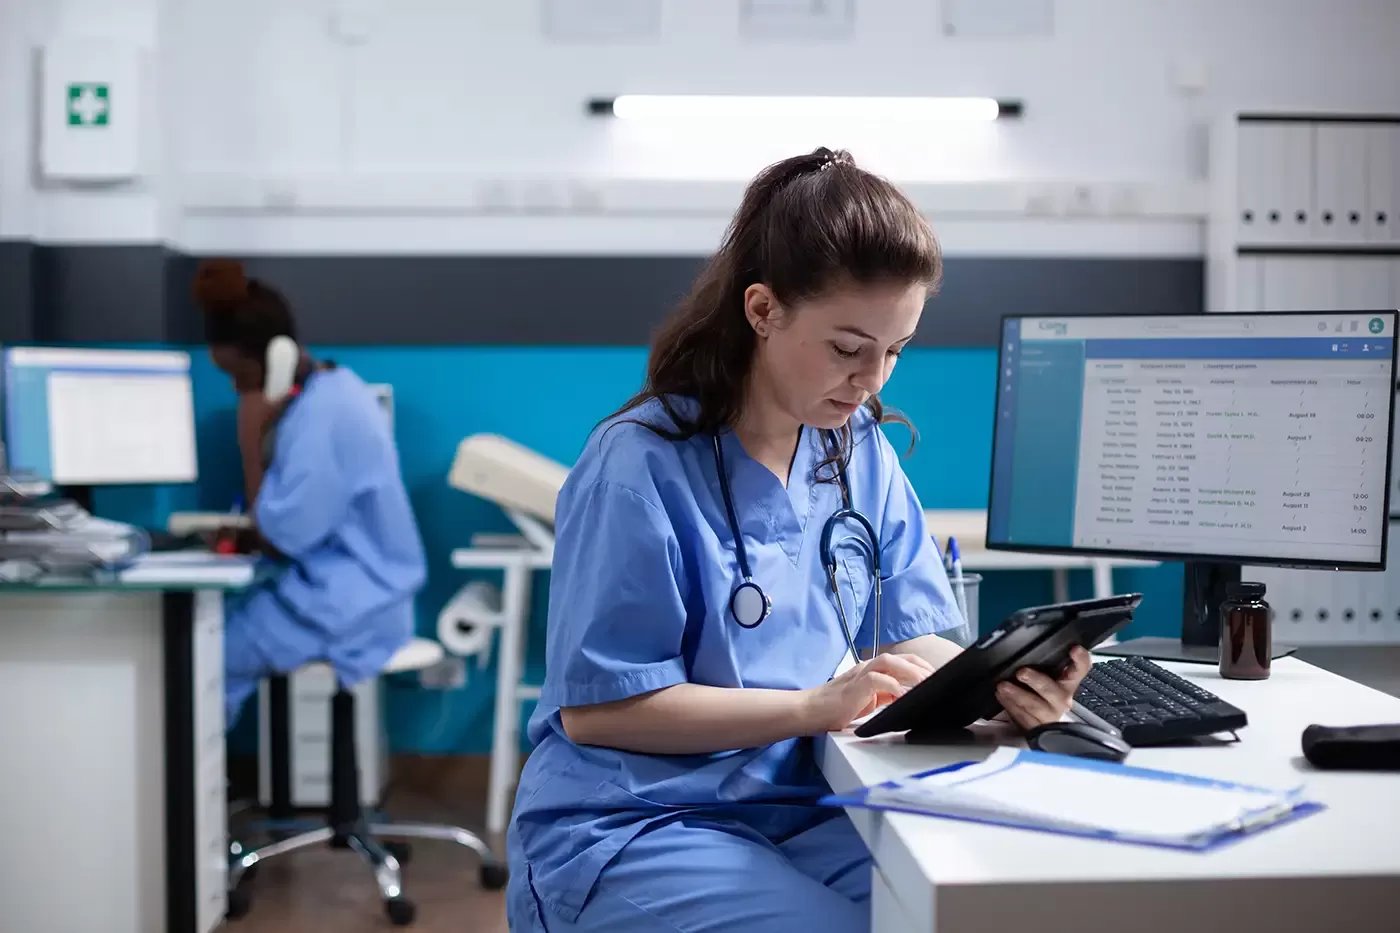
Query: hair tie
{"points": [[833, 157]]}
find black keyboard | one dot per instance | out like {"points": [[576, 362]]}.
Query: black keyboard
{"points": [[162, 541], [1149, 705]]}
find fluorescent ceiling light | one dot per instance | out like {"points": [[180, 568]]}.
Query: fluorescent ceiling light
{"points": [[728, 107]]}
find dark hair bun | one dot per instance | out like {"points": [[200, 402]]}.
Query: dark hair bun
{"points": [[220, 283]]}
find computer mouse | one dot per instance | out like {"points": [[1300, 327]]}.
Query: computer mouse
{"points": [[1078, 739]]}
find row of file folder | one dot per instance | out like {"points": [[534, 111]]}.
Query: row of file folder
{"points": [[1304, 182]]}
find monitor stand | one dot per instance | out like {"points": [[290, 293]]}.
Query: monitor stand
{"points": [[1202, 594], [80, 495]]}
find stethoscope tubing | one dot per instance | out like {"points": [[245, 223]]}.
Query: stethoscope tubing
{"points": [[749, 605]]}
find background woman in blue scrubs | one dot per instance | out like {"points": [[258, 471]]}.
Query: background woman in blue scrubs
{"points": [[673, 778], [329, 507]]}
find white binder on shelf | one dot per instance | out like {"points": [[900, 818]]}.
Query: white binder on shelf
{"points": [[1341, 183], [1383, 184]]}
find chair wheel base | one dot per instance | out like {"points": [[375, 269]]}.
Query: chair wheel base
{"points": [[401, 851], [494, 877], [401, 912], [239, 901]]}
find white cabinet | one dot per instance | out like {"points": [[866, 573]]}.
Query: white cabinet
{"points": [[1306, 217], [309, 711], [1318, 282], [1249, 283]]}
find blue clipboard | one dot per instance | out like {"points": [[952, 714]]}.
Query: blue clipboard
{"points": [[1293, 806]]}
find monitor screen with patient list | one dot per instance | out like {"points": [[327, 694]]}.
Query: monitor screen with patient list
{"points": [[1241, 438], [96, 416]]}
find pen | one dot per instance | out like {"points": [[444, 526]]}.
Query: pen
{"points": [[959, 592]]}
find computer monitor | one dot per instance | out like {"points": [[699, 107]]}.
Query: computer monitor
{"points": [[1219, 440], [81, 417]]}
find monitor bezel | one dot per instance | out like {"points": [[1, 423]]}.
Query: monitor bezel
{"points": [[1301, 563]]}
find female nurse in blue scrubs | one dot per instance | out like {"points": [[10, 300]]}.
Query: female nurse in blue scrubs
{"points": [[673, 779], [328, 503]]}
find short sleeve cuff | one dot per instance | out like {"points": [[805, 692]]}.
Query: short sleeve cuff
{"points": [[928, 621], [608, 688]]}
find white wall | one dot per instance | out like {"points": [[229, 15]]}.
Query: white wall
{"points": [[274, 111], [31, 207]]}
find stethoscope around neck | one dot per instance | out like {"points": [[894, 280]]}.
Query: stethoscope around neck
{"points": [[749, 605]]}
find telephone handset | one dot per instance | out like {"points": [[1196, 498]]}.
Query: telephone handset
{"points": [[280, 368], [279, 381]]}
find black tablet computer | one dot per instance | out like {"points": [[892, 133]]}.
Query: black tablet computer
{"points": [[964, 690]]}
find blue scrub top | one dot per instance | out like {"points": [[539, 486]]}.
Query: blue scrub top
{"points": [[644, 566], [333, 501]]}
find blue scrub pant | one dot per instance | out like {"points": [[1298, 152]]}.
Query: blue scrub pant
{"points": [[245, 665], [690, 876]]}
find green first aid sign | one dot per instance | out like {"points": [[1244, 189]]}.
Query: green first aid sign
{"points": [[88, 104]]}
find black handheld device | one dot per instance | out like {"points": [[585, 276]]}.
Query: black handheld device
{"points": [[1358, 748], [964, 690]]}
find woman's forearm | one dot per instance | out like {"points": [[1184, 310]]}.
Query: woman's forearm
{"points": [[251, 420], [934, 649], [691, 719]]}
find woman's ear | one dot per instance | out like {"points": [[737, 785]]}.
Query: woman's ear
{"points": [[761, 308]]}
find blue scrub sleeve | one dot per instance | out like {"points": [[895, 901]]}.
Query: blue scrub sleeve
{"points": [[917, 598], [616, 610], [305, 493]]}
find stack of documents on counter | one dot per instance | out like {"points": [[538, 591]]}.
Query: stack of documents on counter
{"points": [[63, 538]]}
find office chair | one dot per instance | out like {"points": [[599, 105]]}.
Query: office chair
{"points": [[346, 825]]}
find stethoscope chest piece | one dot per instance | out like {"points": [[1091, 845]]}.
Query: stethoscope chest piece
{"points": [[749, 605]]}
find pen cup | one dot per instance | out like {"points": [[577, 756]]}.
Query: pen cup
{"points": [[965, 635]]}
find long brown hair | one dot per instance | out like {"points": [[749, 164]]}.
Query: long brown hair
{"points": [[806, 224]]}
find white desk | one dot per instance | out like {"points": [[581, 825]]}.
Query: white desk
{"points": [[1334, 870], [113, 802]]}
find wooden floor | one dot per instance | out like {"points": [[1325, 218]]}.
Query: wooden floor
{"points": [[333, 889]]}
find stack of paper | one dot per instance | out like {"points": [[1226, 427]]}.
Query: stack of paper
{"points": [[1057, 793], [73, 539], [173, 567]]}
